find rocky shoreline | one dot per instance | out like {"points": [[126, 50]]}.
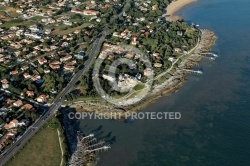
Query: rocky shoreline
{"points": [[207, 40]]}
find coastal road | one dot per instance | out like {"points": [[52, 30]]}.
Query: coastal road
{"points": [[189, 52], [96, 46]]}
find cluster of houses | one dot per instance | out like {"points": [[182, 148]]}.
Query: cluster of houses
{"points": [[45, 56], [20, 104], [31, 8], [6, 139], [86, 12], [15, 123], [11, 133], [60, 19], [10, 128], [126, 34], [141, 34], [145, 5], [8, 104], [40, 98], [126, 80], [109, 50]]}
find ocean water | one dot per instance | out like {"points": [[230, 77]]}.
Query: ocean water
{"points": [[215, 107]]}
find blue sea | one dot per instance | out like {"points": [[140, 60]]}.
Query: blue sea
{"points": [[215, 126]]}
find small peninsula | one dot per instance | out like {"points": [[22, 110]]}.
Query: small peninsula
{"points": [[89, 55]]}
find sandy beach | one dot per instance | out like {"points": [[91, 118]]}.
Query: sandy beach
{"points": [[175, 6]]}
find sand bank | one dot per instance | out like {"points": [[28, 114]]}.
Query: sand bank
{"points": [[175, 6]]}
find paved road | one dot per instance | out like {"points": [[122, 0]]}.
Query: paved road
{"points": [[123, 10], [96, 46]]}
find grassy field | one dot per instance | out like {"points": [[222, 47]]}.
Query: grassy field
{"points": [[42, 150], [16, 22], [139, 86], [12, 11], [59, 30]]}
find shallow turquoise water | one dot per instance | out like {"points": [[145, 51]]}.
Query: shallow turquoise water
{"points": [[214, 129]]}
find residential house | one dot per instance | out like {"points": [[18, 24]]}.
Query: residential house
{"points": [[9, 101], [42, 60], [14, 72], [17, 53], [109, 78], [157, 65], [46, 71], [12, 124], [90, 12], [69, 68], [26, 75], [75, 10], [29, 93], [130, 54], [71, 63], [42, 98], [23, 68], [36, 77], [18, 103], [148, 72], [156, 54], [27, 106], [171, 59], [67, 57], [54, 65], [5, 83], [179, 33], [177, 50]]}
